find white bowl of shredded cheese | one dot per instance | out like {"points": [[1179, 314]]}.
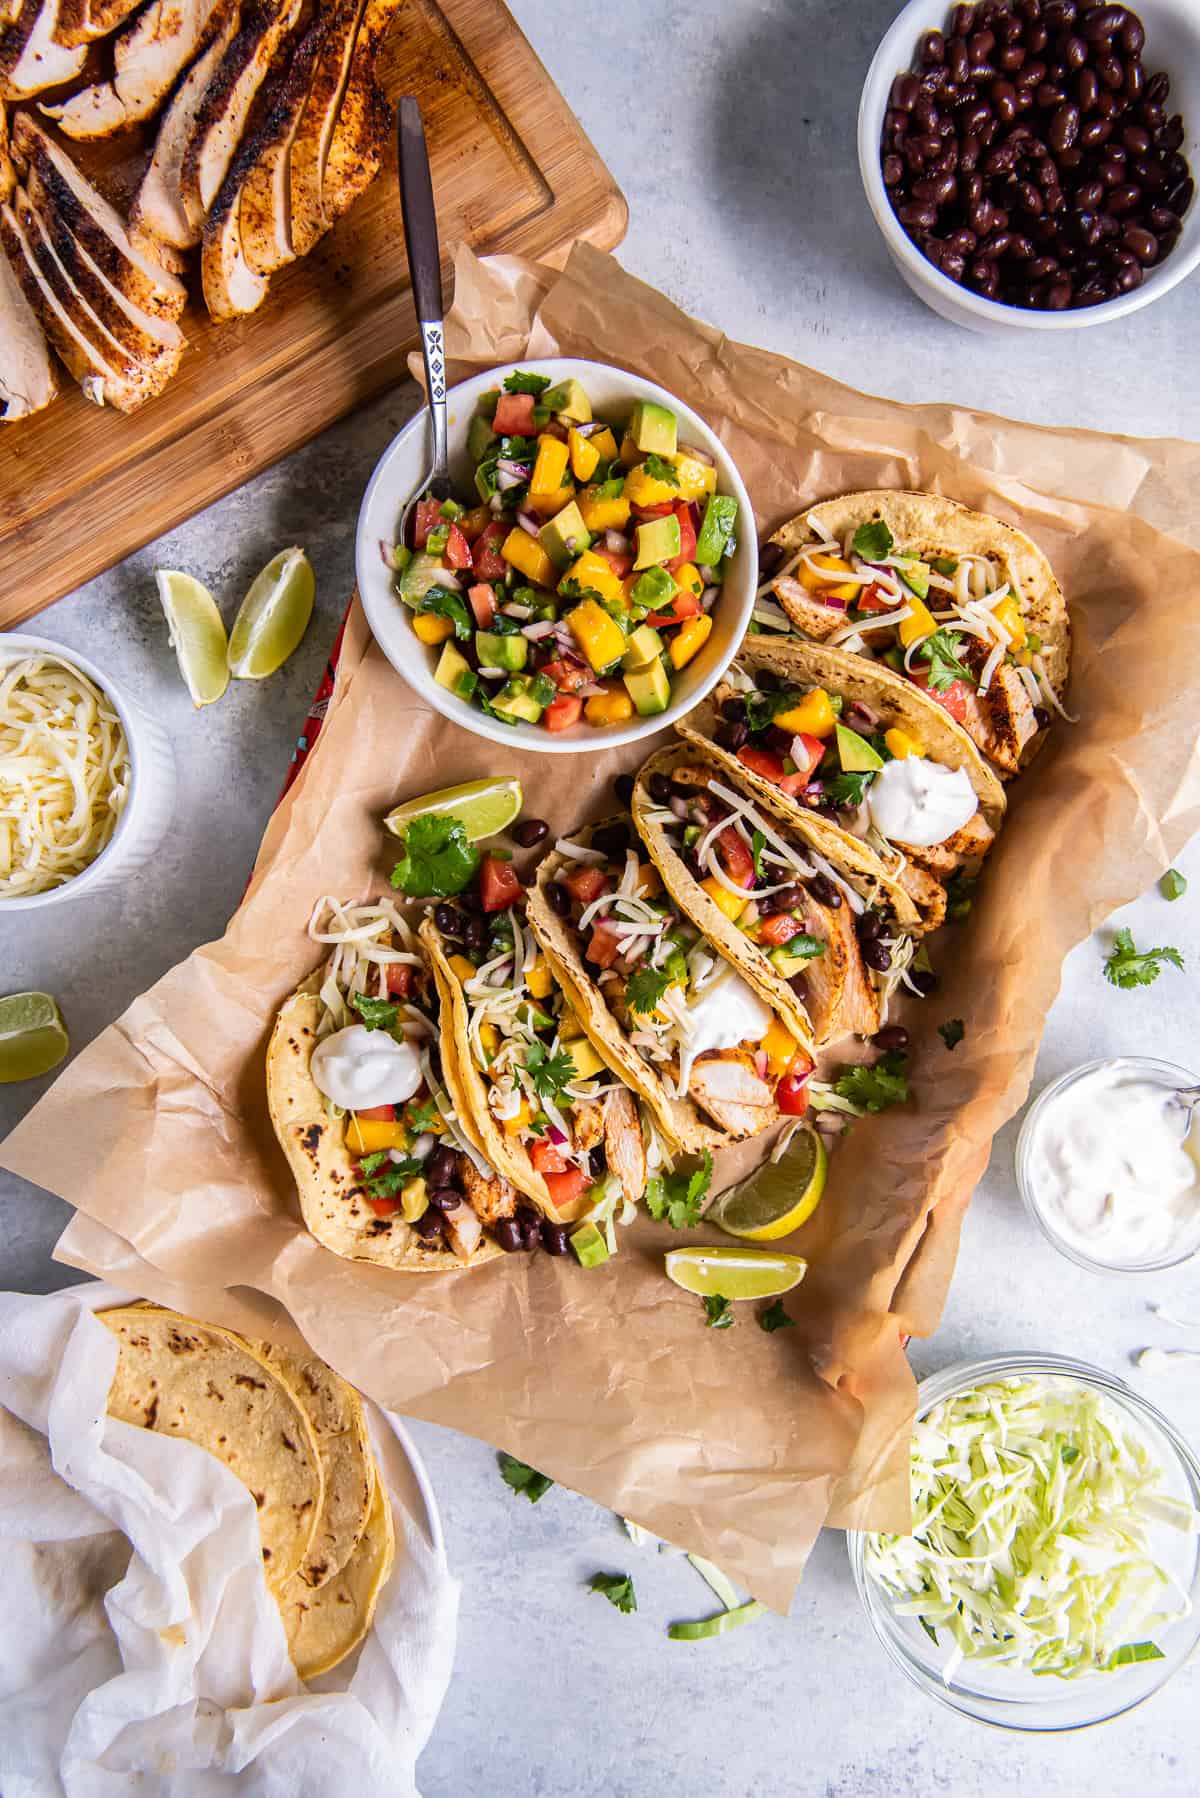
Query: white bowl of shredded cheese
{"points": [[87, 779]]}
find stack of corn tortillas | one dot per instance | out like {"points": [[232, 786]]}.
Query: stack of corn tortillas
{"points": [[295, 1435]]}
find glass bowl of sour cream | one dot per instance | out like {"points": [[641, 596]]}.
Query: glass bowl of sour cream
{"points": [[1108, 1162]]}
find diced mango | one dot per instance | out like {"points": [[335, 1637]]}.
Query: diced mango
{"points": [[644, 489], [1008, 613], [600, 637], [489, 1039], [414, 1200], [696, 478], [604, 442], [546, 505], [587, 1062], [629, 452], [591, 570], [810, 579], [550, 468], [514, 1125], [585, 457], [466, 970], [526, 554], [780, 1046], [603, 514], [569, 1028], [648, 882], [539, 979], [367, 1136], [901, 745], [732, 904], [688, 577], [814, 715], [689, 640], [431, 629], [919, 624], [611, 707]]}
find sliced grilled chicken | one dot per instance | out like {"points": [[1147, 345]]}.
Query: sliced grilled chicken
{"points": [[314, 134], [823, 980], [96, 225], [150, 53], [926, 891], [8, 175], [490, 1199], [266, 215], [729, 1088], [221, 116], [1001, 721], [158, 215], [857, 1009], [970, 844], [231, 287], [806, 613], [84, 21], [30, 58], [27, 378], [363, 121], [624, 1148]]}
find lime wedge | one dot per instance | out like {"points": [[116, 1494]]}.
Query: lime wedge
{"points": [[33, 1037], [483, 807], [778, 1197], [735, 1273], [273, 616], [197, 634]]}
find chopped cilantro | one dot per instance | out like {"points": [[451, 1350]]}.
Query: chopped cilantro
{"points": [[761, 708], [717, 1312], [873, 541], [1173, 884], [571, 589], [960, 893], [393, 1178], [679, 1198], [660, 470], [952, 1032], [613, 488], [941, 652], [420, 1118], [524, 1479], [521, 382], [376, 1014], [446, 604], [877, 1087], [803, 944], [757, 844], [617, 1588], [775, 1318], [550, 1074], [849, 788], [435, 858], [645, 988], [370, 1164], [1128, 966]]}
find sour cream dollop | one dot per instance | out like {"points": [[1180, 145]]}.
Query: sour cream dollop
{"points": [[725, 1014], [919, 802], [358, 1068]]}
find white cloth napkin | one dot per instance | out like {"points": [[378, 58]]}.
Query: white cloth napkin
{"points": [[139, 1647]]}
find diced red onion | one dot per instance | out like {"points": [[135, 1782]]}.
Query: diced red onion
{"points": [[557, 1136], [679, 807], [834, 602], [388, 552], [708, 598], [570, 543], [493, 673], [590, 690], [545, 627], [509, 474], [529, 523], [707, 574], [863, 714], [616, 541]]}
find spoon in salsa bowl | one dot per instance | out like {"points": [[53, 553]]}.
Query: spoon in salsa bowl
{"points": [[425, 271]]}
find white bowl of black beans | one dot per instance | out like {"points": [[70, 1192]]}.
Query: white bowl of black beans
{"points": [[1030, 163]]}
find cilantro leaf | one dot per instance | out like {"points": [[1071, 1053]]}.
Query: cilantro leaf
{"points": [[617, 1588], [757, 844], [960, 895], [571, 589], [679, 1198], [445, 604], [952, 1032], [1128, 966], [849, 788], [420, 1118], [524, 1479], [1173, 884], [645, 988], [550, 1074], [520, 382], [393, 1178], [612, 488], [803, 944], [376, 1014], [873, 541], [775, 1318], [941, 652], [762, 707], [717, 1312], [661, 470], [877, 1087], [370, 1164], [436, 858]]}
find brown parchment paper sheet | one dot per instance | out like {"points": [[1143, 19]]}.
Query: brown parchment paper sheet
{"points": [[737, 1445]]}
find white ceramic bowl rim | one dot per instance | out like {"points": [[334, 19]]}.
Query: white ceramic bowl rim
{"points": [[897, 51]]}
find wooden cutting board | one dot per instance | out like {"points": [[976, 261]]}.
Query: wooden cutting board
{"points": [[82, 487]]}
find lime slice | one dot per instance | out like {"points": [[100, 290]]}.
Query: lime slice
{"points": [[779, 1197], [483, 807], [197, 634], [33, 1037], [735, 1273], [273, 616]]}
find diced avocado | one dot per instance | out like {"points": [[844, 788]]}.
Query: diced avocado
{"points": [[653, 428], [855, 753], [495, 651], [569, 400], [658, 540], [786, 962], [589, 1245], [720, 516], [587, 1062], [514, 700], [654, 588], [480, 437], [565, 536], [649, 688], [422, 573], [644, 646], [455, 673], [916, 576], [487, 403]]}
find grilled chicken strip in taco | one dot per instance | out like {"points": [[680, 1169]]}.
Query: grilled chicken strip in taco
{"points": [[884, 779], [665, 1009], [959, 603], [388, 1168], [800, 928]]}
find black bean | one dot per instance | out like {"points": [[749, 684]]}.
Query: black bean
{"points": [[957, 60], [1059, 15], [905, 89], [530, 1224], [507, 1232], [924, 979], [1135, 77], [442, 1168], [474, 933], [444, 1198], [623, 788], [530, 832], [876, 956], [1058, 294], [1089, 196], [1123, 199], [1171, 135], [770, 557], [1161, 219], [732, 736], [768, 682], [1013, 58], [558, 898], [933, 50], [1132, 35], [1074, 52], [1142, 243], [824, 891], [429, 1225], [1004, 101], [1064, 128], [868, 926], [788, 898], [660, 789], [918, 215], [555, 1240], [962, 19], [1157, 88], [449, 920], [1095, 131], [1087, 89], [890, 1038]]}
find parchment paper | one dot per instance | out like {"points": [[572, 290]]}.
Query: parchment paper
{"points": [[735, 1444]]}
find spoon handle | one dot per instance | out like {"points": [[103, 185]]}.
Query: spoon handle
{"points": [[424, 264]]}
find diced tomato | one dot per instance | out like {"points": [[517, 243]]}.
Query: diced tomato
{"points": [[780, 927], [604, 947], [874, 599], [762, 762], [563, 712], [684, 605], [687, 535], [645, 512], [483, 604], [814, 754], [952, 699], [386, 1207], [568, 677], [428, 515], [458, 550], [546, 1158], [736, 858], [619, 561], [514, 415], [498, 884], [400, 978], [473, 523], [380, 1114], [791, 784], [565, 1187], [486, 559], [791, 1095], [586, 884]]}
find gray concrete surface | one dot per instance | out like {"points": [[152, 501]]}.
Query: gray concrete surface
{"points": [[746, 207]]}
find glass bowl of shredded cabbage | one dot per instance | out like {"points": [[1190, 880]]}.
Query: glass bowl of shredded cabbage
{"points": [[1053, 1576]]}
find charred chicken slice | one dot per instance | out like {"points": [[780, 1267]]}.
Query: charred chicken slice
{"points": [[31, 58], [222, 114], [265, 215], [363, 120], [149, 55], [158, 214], [730, 1089], [84, 21], [314, 134], [27, 378]]}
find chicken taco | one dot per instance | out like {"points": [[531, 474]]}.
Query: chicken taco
{"points": [[962, 605], [712, 1060], [808, 933], [884, 780], [388, 1170]]}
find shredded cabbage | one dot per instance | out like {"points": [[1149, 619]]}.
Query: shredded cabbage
{"points": [[1033, 1502]]}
